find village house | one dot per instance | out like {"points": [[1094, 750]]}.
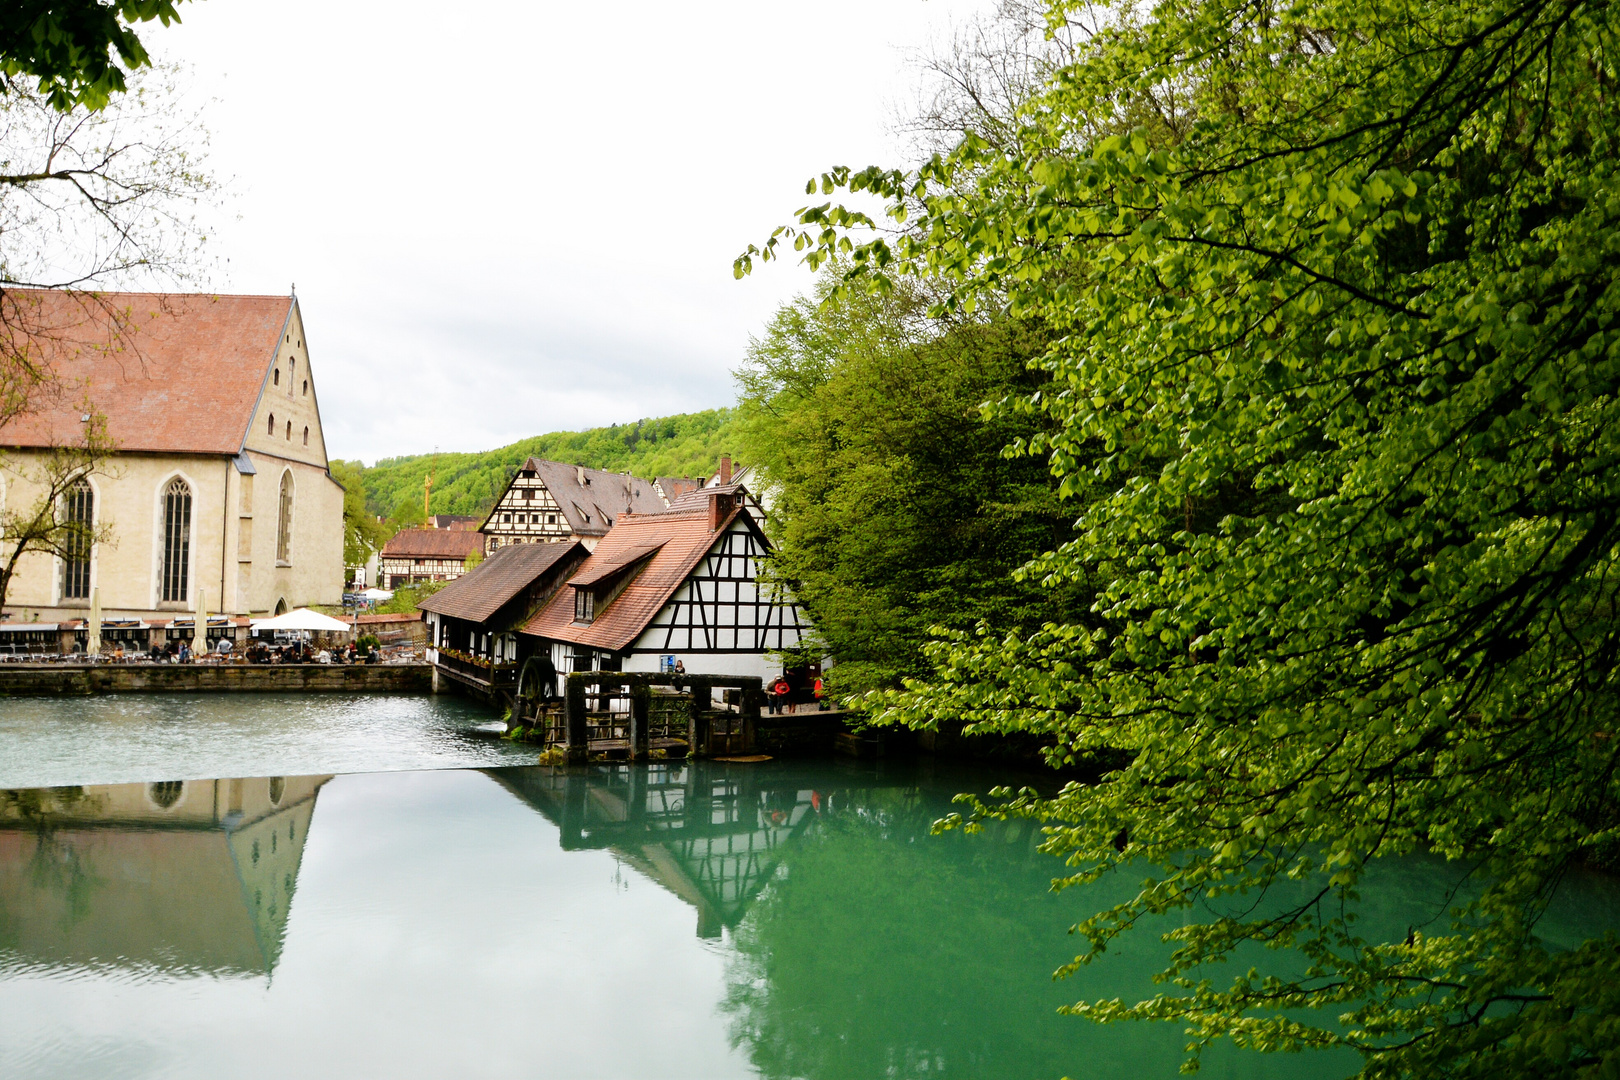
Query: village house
{"points": [[217, 494], [549, 502], [414, 555], [681, 586], [473, 622]]}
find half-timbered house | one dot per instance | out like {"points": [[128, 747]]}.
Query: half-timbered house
{"points": [[414, 555], [682, 586], [549, 502], [473, 622]]}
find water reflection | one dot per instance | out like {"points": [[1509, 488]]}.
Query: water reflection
{"points": [[859, 944], [170, 876], [513, 922], [711, 834]]}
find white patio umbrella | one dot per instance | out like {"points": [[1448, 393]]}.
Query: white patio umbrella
{"points": [[377, 595], [92, 639], [199, 627], [302, 619]]}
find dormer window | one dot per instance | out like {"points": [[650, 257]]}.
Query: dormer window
{"points": [[584, 604]]}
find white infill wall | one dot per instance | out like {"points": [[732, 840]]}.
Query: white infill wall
{"points": [[722, 620]]}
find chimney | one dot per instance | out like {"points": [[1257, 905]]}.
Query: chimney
{"points": [[721, 504], [579, 475], [725, 469]]}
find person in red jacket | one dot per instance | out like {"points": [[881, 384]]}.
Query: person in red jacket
{"points": [[820, 702], [779, 694]]}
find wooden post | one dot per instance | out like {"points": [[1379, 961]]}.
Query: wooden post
{"points": [[576, 736], [640, 710], [752, 695], [697, 728]]}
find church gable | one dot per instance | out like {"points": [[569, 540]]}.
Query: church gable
{"points": [[287, 420]]}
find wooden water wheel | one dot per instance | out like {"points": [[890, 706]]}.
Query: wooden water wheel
{"points": [[534, 684]]}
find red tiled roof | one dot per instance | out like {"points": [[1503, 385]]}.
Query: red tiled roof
{"points": [[608, 566], [433, 544], [176, 373], [373, 620], [684, 539], [495, 582]]}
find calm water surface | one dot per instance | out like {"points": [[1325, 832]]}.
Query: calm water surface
{"points": [[119, 738], [780, 920]]}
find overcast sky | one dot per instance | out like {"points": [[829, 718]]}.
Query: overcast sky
{"points": [[513, 217]]}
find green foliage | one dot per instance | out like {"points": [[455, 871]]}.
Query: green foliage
{"points": [[895, 509], [689, 444], [1336, 351], [69, 46], [362, 532], [406, 597]]}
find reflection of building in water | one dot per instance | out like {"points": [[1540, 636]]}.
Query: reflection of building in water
{"points": [[709, 833], [190, 875]]}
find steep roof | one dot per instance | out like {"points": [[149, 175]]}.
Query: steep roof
{"points": [[173, 373], [673, 487], [495, 582], [683, 538], [433, 544], [592, 499]]}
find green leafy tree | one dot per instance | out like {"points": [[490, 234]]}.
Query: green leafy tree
{"points": [[363, 533], [894, 509], [1333, 294], [469, 483], [78, 52]]}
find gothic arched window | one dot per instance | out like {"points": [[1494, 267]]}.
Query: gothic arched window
{"points": [[79, 514], [176, 540], [284, 520]]}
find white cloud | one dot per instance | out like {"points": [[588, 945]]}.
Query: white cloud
{"points": [[517, 217]]}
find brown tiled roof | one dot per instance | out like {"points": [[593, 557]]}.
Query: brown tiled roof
{"points": [[493, 583], [433, 544], [182, 375], [684, 539], [608, 566], [699, 497], [674, 487], [592, 506]]}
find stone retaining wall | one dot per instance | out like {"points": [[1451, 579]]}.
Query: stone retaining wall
{"points": [[17, 680]]}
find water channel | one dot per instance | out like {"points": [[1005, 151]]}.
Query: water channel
{"points": [[372, 891]]}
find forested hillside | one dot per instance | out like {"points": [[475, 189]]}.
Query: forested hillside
{"points": [[685, 445]]}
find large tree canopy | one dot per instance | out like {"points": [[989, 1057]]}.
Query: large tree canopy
{"points": [[894, 509], [1334, 291]]}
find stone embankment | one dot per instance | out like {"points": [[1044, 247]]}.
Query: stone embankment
{"points": [[21, 680]]}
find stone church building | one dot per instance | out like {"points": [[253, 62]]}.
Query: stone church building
{"points": [[218, 490]]}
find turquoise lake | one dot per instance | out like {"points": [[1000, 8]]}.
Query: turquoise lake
{"points": [[443, 909]]}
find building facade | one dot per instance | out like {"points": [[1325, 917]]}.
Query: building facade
{"points": [[684, 586], [218, 493], [548, 502], [414, 555]]}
